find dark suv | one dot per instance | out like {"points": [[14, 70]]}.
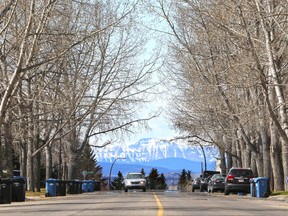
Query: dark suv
{"points": [[238, 180]]}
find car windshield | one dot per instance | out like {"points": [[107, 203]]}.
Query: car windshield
{"points": [[242, 172], [218, 176], [135, 176]]}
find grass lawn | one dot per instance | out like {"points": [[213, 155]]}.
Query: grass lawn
{"points": [[42, 192], [276, 193]]}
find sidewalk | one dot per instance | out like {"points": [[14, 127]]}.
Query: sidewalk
{"points": [[33, 198], [279, 198]]}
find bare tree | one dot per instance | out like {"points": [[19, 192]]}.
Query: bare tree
{"points": [[68, 83], [230, 76]]}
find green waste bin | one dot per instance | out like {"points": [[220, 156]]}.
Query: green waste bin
{"points": [[18, 189], [5, 190]]}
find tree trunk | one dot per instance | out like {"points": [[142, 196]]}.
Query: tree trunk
{"points": [[274, 77], [72, 166], [259, 157], [267, 169], [60, 172], [30, 183], [37, 168], [276, 163], [48, 162], [23, 158], [8, 148], [222, 161]]}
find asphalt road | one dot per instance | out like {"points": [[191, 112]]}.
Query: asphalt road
{"points": [[148, 203]]}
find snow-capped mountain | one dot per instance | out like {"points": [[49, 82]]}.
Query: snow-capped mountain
{"points": [[148, 149], [167, 157]]}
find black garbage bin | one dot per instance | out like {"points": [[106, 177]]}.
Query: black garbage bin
{"points": [[97, 186], [61, 187], [18, 189], [79, 186], [5, 190], [72, 187]]}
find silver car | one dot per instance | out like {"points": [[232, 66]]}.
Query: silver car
{"points": [[135, 180]]}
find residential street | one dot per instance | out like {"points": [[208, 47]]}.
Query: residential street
{"points": [[147, 203]]}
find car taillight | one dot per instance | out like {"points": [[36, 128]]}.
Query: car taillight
{"points": [[230, 178]]}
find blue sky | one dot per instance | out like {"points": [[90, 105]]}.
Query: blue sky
{"points": [[160, 127]]}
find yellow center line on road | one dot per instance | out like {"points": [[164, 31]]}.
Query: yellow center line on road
{"points": [[160, 207]]}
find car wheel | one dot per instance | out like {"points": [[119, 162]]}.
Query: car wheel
{"points": [[126, 190], [226, 191], [193, 189], [144, 189], [212, 190]]}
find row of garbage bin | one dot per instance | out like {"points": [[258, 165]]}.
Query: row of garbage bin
{"points": [[57, 187], [260, 187], [12, 189]]}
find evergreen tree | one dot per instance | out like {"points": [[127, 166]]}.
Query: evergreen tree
{"points": [[156, 181], [183, 179], [88, 163], [162, 182], [153, 177], [143, 172], [117, 183], [189, 177]]}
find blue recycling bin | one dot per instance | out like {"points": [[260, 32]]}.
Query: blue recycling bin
{"points": [[262, 187], [85, 186], [91, 184], [252, 187], [50, 187]]}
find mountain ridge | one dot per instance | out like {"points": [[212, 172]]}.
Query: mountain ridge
{"points": [[149, 149], [148, 153]]}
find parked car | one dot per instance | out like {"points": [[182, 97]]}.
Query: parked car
{"points": [[205, 178], [135, 180], [204, 184], [238, 180], [216, 183], [196, 184]]}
